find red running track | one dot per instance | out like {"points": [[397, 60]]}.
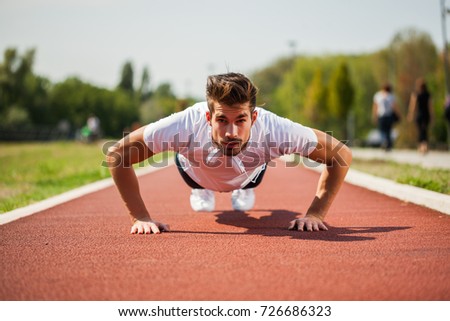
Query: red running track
{"points": [[377, 248]]}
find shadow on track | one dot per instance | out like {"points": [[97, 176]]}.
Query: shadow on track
{"points": [[275, 225]]}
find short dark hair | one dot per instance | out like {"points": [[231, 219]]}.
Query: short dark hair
{"points": [[230, 89], [387, 87], [421, 86]]}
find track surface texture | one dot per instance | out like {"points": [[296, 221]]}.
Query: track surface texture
{"points": [[377, 248]]}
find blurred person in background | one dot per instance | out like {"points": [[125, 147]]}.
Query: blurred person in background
{"points": [[385, 113], [93, 124], [421, 111]]}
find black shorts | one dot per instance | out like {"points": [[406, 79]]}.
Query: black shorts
{"points": [[193, 184]]}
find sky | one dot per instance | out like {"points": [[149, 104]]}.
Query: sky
{"points": [[181, 42]]}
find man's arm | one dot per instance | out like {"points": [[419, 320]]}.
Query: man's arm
{"points": [[337, 157], [431, 110], [374, 113], [412, 107], [120, 158]]}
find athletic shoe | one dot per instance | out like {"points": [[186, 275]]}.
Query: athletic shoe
{"points": [[243, 199], [202, 200]]}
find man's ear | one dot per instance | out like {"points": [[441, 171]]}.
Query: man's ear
{"points": [[208, 117], [254, 116]]}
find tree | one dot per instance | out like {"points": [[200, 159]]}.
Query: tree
{"points": [[412, 55], [144, 89], [362, 70], [75, 100], [23, 95], [162, 103], [340, 98], [316, 110], [290, 96], [269, 78], [127, 78]]}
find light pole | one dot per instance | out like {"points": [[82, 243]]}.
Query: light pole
{"points": [[444, 12], [293, 45]]}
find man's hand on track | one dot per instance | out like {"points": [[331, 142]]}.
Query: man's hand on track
{"points": [[148, 227], [307, 223]]}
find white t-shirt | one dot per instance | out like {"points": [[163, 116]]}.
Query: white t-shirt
{"points": [[385, 103], [189, 133]]}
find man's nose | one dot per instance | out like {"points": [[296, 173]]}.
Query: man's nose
{"points": [[231, 130]]}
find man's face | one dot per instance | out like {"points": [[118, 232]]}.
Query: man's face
{"points": [[231, 126]]}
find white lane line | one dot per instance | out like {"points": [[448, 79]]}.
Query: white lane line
{"points": [[69, 195], [436, 201]]}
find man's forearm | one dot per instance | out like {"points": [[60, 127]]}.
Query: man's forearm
{"points": [[329, 184], [128, 186]]}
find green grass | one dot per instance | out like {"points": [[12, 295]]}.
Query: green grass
{"points": [[436, 180], [31, 172]]}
